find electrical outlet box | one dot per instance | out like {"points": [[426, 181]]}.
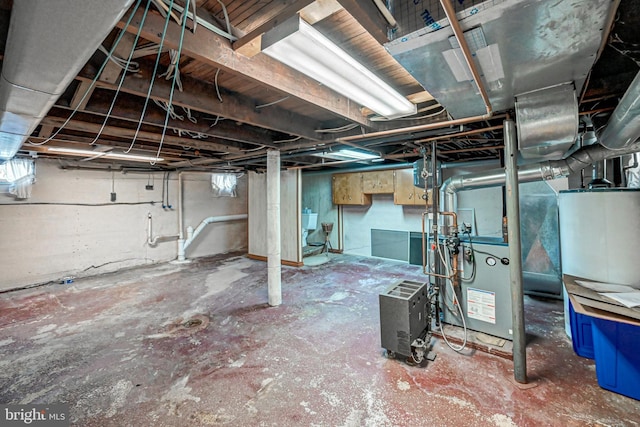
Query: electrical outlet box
{"points": [[148, 187], [113, 197]]}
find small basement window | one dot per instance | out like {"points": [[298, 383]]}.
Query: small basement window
{"points": [[17, 177]]}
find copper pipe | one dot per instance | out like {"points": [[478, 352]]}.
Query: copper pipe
{"points": [[454, 272], [417, 128], [447, 5], [424, 253], [454, 135]]}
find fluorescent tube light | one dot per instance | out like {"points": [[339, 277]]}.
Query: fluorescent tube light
{"points": [[105, 154], [302, 47], [357, 155]]}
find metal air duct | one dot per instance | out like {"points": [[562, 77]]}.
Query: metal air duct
{"points": [[530, 173], [47, 44], [623, 128]]}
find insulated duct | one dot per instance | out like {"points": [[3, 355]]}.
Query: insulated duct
{"points": [[530, 173], [623, 127], [48, 42]]}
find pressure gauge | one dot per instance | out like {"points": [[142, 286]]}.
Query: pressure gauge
{"points": [[491, 261]]}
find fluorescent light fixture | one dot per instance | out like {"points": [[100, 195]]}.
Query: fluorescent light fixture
{"points": [[357, 155], [302, 47], [105, 154], [347, 154]]}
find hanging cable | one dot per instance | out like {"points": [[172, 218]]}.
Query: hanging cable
{"points": [[126, 65], [226, 16], [339, 129], [173, 70], [169, 109], [173, 84], [123, 75], [187, 111], [269, 104], [457, 304], [93, 82], [215, 80], [297, 138], [153, 77]]}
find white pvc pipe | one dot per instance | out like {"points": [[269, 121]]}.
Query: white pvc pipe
{"points": [[193, 234], [274, 278], [152, 241]]}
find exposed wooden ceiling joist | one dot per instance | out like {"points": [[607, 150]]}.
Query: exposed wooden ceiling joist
{"points": [[94, 128], [368, 15], [202, 97], [249, 44], [212, 49], [225, 129]]}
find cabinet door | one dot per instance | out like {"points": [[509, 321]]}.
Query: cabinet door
{"points": [[377, 182], [347, 190], [404, 192]]}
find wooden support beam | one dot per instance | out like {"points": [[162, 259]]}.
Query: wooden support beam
{"points": [[112, 71], [45, 131], [369, 16], [202, 97], [249, 44], [83, 93], [212, 49]]}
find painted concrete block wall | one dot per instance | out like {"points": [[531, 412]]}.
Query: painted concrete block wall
{"points": [[290, 210], [200, 203], [316, 195], [382, 214], [69, 227]]}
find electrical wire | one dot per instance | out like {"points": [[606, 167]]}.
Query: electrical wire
{"points": [[93, 82], [297, 138], [269, 104], [338, 129], [153, 78], [457, 304], [123, 74], [473, 262], [426, 116], [215, 81], [173, 85], [126, 65], [226, 16]]}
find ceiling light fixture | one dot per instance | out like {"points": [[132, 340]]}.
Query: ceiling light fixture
{"points": [[300, 46], [347, 154], [104, 155]]}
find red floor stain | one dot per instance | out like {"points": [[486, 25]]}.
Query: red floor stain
{"points": [[118, 350]]}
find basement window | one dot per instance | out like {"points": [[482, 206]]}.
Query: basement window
{"points": [[17, 177], [224, 184]]}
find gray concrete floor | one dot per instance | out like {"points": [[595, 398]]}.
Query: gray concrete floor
{"points": [[178, 345]]}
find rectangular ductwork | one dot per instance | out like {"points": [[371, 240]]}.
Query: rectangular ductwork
{"points": [[49, 41], [547, 122], [518, 45]]}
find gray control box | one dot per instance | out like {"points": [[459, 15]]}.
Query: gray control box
{"points": [[485, 295]]}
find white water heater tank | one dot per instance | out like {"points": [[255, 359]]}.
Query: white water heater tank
{"points": [[600, 234]]}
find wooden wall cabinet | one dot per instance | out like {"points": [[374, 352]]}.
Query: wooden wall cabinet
{"points": [[356, 188], [347, 189], [405, 193], [377, 182]]}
